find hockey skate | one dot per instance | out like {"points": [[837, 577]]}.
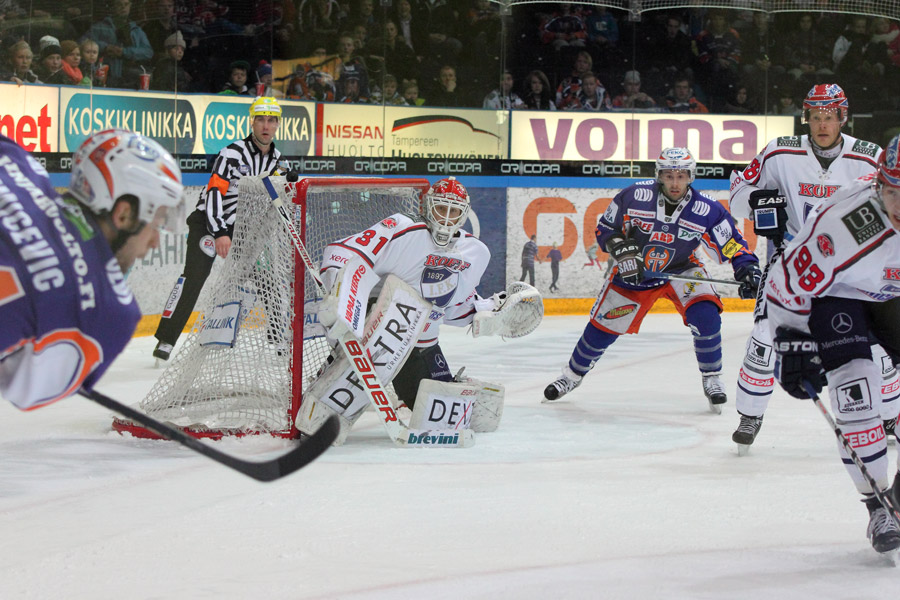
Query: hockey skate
{"points": [[715, 392], [746, 432], [882, 532], [161, 353], [567, 382]]}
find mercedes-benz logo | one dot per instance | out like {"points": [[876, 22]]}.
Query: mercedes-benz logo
{"points": [[440, 361], [841, 322]]}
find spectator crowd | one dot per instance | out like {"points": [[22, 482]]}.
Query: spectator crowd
{"points": [[460, 53]]}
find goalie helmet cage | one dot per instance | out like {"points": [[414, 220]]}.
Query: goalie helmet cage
{"points": [[211, 390]]}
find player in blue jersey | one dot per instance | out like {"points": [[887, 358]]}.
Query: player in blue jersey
{"points": [[651, 229], [67, 312]]}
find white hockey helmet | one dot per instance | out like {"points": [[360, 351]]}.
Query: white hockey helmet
{"points": [[676, 158], [444, 196], [116, 163]]}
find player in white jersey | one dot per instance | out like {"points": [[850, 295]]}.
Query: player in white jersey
{"points": [[836, 287], [440, 267], [777, 191]]}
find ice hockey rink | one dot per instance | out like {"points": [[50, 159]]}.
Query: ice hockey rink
{"points": [[627, 488]]}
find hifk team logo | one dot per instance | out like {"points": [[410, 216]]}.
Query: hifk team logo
{"points": [[438, 285], [825, 244], [389, 223]]}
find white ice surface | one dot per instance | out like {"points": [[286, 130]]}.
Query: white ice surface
{"points": [[627, 488]]}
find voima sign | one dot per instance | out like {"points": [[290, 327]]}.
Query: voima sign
{"points": [[641, 137]]}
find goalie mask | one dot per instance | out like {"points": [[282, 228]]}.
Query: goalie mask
{"points": [[117, 164], [446, 210], [827, 96]]}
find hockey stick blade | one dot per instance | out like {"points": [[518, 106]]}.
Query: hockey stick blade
{"points": [[267, 470], [885, 499]]}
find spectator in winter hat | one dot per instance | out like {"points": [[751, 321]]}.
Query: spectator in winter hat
{"points": [[169, 74], [49, 67], [633, 97]]}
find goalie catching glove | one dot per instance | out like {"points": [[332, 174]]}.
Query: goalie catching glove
{"points": [[514, 313]]}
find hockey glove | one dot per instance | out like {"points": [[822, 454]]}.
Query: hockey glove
{"points": [[797, 360], [626, 253], [769, 214], [749, 276]]}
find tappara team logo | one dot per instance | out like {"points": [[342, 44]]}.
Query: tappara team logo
{"points": [[656, 258], [440, 278]]}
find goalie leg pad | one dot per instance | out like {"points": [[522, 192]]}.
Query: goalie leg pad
{"points": [[392, 327], [518, 315], [313, 413], [443, 405], [488, 405], [456, 405]]}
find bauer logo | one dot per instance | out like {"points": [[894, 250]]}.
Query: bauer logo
{"points": [[171, 123], [225, 122]]}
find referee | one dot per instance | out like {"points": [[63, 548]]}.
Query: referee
{"points": [[211, 225]]}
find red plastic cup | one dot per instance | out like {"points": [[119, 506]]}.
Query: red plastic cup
{"points": [[102, 71], [260, 89], [145, 81]]}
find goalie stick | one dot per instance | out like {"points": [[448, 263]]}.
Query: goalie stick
{"points": [[361, 363], [884, 499], [267, 470]]}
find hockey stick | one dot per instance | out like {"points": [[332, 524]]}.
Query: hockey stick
{"points": [[361, 362], [691, 278], [885, 499], [267, 470]]}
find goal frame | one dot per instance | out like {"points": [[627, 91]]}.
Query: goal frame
{"points": [[299, 199]]}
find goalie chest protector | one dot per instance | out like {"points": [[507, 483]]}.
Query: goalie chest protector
{"points": [[403, 246]]}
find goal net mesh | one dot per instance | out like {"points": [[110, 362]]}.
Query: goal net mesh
{"points": [[212, 388]]}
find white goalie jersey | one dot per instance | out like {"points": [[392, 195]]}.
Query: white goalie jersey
{"points": [[788, 164], [402, 245]]}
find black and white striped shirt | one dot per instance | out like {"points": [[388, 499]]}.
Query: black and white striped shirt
{"points": [[219, 199]]}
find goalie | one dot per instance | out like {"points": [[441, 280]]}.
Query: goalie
{"points": [[428, 270]]}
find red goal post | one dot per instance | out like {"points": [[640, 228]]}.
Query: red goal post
{"points": [[253, 381]]}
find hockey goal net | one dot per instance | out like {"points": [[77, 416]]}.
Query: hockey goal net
{"points": [[244, 365]]}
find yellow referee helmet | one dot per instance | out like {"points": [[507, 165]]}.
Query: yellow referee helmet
{"points": [[265, 106]]}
